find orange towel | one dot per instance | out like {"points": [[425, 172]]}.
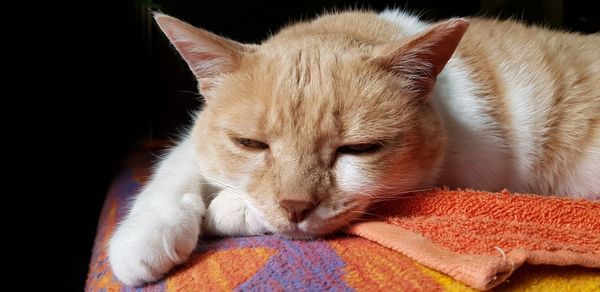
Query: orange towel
{"points": [[481, 238]]}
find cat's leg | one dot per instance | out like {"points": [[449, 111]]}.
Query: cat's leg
{"points": [[163, 224], [228, 215]]}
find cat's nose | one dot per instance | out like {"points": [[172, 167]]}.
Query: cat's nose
{"points": [[297, 210]]}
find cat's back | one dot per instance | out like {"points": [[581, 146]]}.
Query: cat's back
{"points": [[543, 91], [549, 64]]}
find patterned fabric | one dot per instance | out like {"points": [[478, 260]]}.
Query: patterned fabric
{"points": [[340, 262]]}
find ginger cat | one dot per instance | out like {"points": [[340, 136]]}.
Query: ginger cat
{"points": [[303, 131]]}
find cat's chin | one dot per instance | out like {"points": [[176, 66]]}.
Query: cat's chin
{"points": [[314, 227], [303, 232], [294, 232], [297, 235]]}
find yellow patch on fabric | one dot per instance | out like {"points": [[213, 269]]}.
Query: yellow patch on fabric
{"points": [[551, 278], [444, 280]]}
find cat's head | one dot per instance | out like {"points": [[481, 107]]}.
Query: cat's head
{"points": [[311, 130]]}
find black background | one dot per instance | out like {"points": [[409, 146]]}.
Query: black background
{"points": [[96, 78]]}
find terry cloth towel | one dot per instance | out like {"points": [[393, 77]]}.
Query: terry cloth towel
{"points": [[481, 238]]}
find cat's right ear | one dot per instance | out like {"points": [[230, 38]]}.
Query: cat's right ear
{"points": [[420, 59], [207, 54]]}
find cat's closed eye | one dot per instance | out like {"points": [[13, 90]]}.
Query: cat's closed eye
{"points": [[360, 149], [251, 144]]}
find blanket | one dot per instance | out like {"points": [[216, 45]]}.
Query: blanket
{"points": [[345, 262]]}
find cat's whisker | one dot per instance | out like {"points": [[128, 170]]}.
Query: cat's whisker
{"points": [[224, 186], [375, 197], [396, 196], [368, 214], [380, 199]]}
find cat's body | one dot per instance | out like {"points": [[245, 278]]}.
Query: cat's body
{"points": [[522, 109], [302, 132]]}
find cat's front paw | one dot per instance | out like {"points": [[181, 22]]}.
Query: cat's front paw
{"points": [[151, 242], [228, 215]]}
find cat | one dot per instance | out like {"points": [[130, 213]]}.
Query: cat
{"points": [[302, 132]]}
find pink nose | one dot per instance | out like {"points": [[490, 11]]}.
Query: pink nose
{"points": [[297, 210]]}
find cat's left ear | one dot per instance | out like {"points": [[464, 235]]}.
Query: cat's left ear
{"points": [[207, 54], [423, 57]]}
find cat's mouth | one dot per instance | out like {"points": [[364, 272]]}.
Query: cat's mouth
{"points": [[313, 228]]}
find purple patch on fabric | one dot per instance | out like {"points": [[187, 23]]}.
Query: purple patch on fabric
{"points": [[297, 265]]}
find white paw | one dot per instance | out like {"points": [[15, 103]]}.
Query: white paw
{"points": [[152, 240], [228, 215]]}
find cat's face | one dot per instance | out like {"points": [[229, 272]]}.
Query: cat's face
{"points": [[310, 134]]}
